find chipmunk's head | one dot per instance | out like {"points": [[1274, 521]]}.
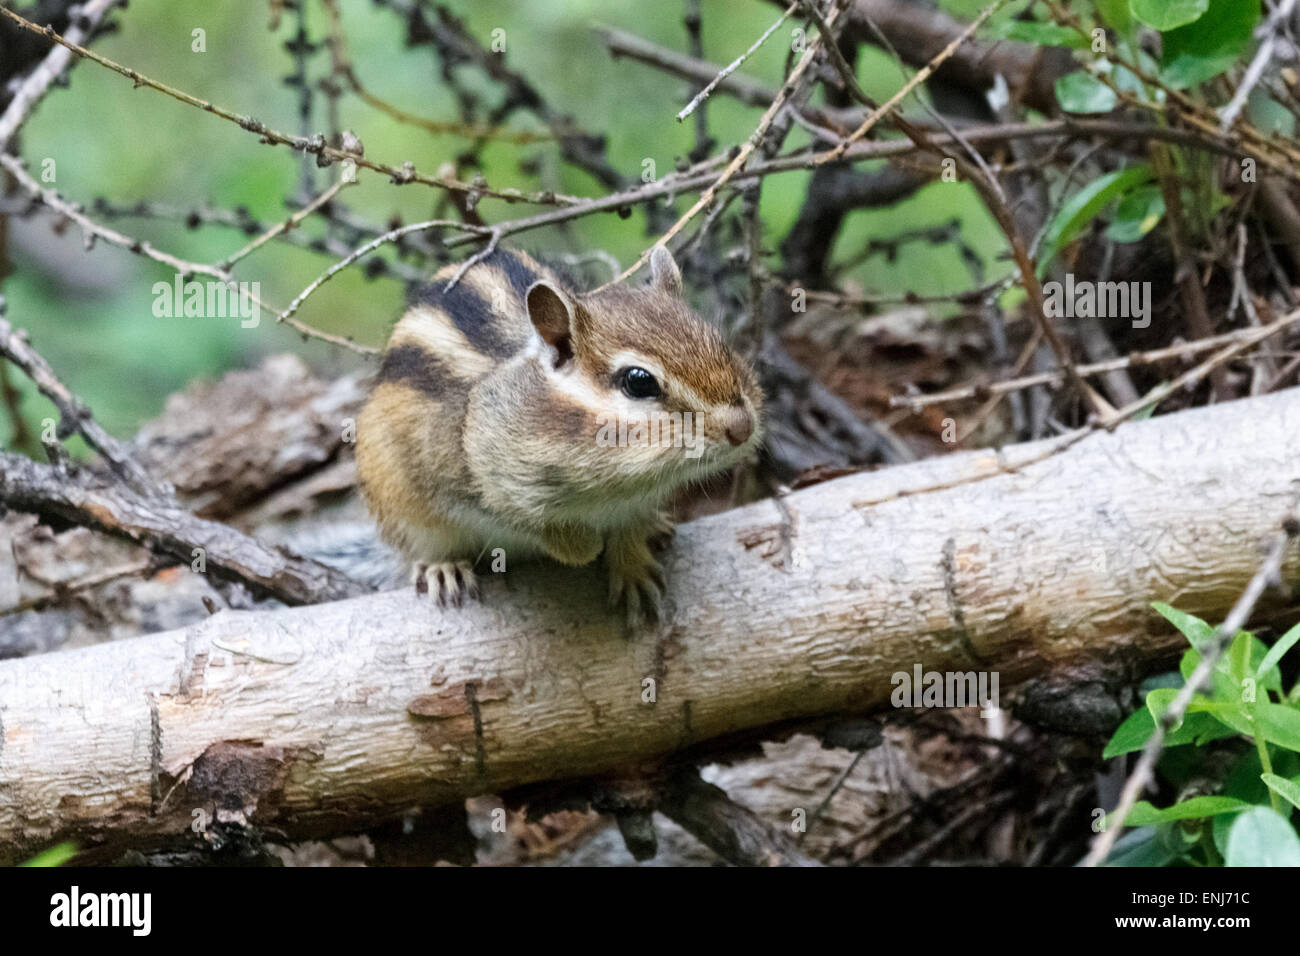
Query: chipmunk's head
{"points": [[664, 399]]}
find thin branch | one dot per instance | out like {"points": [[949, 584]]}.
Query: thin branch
{"points": [[93, 230], [341, 66], [285, 225], [391, 236], [1272, 26], [734, 65]]}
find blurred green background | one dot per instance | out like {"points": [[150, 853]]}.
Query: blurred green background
{"points": [[91, 313]]}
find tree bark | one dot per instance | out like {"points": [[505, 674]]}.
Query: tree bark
{"points": [[329, 718]]}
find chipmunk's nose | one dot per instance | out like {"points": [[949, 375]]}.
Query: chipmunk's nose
{"points": [[739, 425]]}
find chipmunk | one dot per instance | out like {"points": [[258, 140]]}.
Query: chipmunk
{"points": [[513, 411]]}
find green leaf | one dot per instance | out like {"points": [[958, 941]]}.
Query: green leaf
{"points": [[1278, 724], [1041, 34], [1159, 701], [1132, 735], [1167, 14], [1267, 677], [1261, 837], [1206, 48], [1198, 633], [1083, 206], [1232, 669], [1115, 14], [1081, 92], [1144, 814], [1232, 715], [56, 855], [1140, 848], [1276, 652], [1288, 790], [1137, 214]]}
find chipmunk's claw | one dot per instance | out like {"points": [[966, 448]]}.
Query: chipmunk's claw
{"points": [[452, 582], [661, 534], [636, 582]]}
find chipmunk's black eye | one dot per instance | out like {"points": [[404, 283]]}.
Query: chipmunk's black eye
{"points": [[636, 382]]}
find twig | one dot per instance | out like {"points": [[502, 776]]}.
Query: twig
{"points": [[990, 190], [733, 832], [734, 65], [494, 237], [829, 122], [843, 300], [362, 251], [342, 67], [1280, 15], [93, 230], [285, 225], [240, 220]]}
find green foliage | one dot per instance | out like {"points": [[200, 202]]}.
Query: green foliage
{"points": [[1248, 821], [1203, 49], [1137, 213], [1201, 39], [56, 855], [1085, 205], [1261, 837], [1081, 92], [1167, 14], [1042, 34]]}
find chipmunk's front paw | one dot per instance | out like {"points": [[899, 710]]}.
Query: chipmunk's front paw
{"points": [[450, 582], [636, 580], [661, 534]]}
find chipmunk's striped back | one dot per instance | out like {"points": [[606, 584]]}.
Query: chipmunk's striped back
{"points": [[446, 341], [477, 323]]}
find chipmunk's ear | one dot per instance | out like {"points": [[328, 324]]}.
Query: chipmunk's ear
{"points": [[555, 316], [664, 274]]}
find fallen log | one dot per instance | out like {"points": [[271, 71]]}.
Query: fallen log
{"points": [[326, 719]]}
